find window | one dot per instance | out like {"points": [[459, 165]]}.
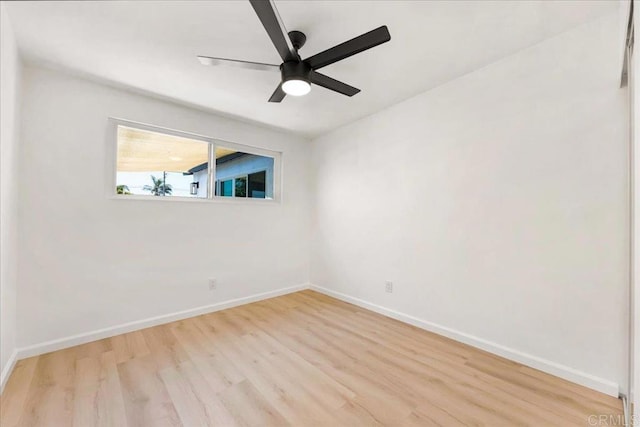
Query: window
{"points": [[163, 163], [257, 184], [242, 174], [154, 164], [226, 188]]}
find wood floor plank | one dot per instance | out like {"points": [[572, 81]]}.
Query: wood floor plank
{"points": [[193, 399], [129, 346], [217, 413], [14, 397], [303, 359], [147, 402], [164, 347], [85, 413], [429, 414], [51, 392], [566, 386], [110, 394], [249, 408], [98, 398], [553, 390], [216, 368]]}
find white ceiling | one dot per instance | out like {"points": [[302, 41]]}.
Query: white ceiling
{"points": [[152, 46]]}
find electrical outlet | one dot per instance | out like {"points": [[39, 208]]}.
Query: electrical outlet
{"points": [[388, 286], [213, 284]]}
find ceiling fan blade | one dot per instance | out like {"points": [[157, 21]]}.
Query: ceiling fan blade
{"points": [[278, 95], [210, 60], [268, 14], [351, 47], [332, 84]]}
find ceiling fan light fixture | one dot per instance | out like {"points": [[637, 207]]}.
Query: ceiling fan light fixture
{"points": [[296, 87]]}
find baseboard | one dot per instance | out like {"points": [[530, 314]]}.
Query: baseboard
{"points": [[73, 340], [564, 372], [7, 369]]}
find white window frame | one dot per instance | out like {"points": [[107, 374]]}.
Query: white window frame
{"points": [[213, 143]]}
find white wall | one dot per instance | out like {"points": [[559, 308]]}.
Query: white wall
{"points": [[497, 205], [10, 74], [90, 262]]}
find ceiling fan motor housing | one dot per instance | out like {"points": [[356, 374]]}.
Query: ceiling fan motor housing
{"points": [[295, 70]]}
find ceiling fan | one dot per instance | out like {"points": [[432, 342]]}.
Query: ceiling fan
{"points": [[298, 74]]}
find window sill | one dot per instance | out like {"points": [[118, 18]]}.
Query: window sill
{"points": [[177, 199]]}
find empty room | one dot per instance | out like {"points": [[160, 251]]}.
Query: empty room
{"points": [[319, 213]]}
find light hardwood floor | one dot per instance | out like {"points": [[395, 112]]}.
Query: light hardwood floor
{"points": [[303, 359]]}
